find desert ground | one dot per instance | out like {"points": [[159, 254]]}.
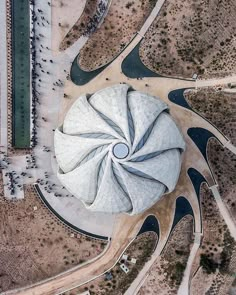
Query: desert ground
{"points": [[219, 108], [115, 33], [214, 267], [192, 36], [35, 245], [216, 106], [223, 164], [116, 282], [166, 273]]}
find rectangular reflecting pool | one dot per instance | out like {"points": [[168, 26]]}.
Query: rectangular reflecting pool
{"points": [[20, 73]]}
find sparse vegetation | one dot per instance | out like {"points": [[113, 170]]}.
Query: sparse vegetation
{"points": [[80, 26], [218, 251], [216, 106], [116, 31], [166, 274], [223, 164], [118, 282], [34, 244], [208, 264], [192, 36]]}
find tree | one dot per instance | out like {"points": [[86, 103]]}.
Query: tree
{"points": [[208, 264]]}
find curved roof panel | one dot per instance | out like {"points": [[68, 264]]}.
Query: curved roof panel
{"points": [[119, 150]]}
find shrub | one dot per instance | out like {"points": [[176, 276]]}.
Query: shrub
{"points": [[208, 264]]}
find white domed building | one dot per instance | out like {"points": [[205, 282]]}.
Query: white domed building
{"points": [[119, 150]]}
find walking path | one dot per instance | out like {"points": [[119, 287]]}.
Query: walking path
{"points": [[230, 147], [223, 211], [151, 17], [184, 286], [123, 235], [142, 276], [215, 82]]}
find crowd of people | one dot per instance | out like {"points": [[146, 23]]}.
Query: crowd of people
{"points": [[37, 65], [39, 61], [97, 17], [49, 186], [13, 180], [35, 75], [31, 161]]}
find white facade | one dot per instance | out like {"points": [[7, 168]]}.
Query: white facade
{"points": [[119, 150]]}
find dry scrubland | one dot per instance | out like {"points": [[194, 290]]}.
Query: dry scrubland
{"points": [[217, 254], [192, 36], [34, 245], [220, 109], [166, 273], [141, 249], [79, 27], [123, 20], [223, 164], [216, 106]]}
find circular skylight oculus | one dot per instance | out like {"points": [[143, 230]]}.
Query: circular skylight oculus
{"points": [[120, 150]]}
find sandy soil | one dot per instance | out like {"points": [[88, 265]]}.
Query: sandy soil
{"points": [[140, 249], [223, 164], [215, 240], [123, 20], [34, 245], [163, 278], [192, 36], [216, 106], [220, 109], [61, 23]]}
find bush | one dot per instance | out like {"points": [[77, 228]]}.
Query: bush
{"points": [[178, 272], [208, 264]]}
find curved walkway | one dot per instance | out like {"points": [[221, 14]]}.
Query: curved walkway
{"points": [[223, 211], [230, 147], [80, 77], [184, 286], [65, 222], [215, 82], [151, 17], [88, 271]]}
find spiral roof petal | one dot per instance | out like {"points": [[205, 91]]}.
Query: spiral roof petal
{"points": [[119, 150], [167, 167], [116, 98], [158, 139], [82, 118], [87, 174], [71, 150], [135, 184]]}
